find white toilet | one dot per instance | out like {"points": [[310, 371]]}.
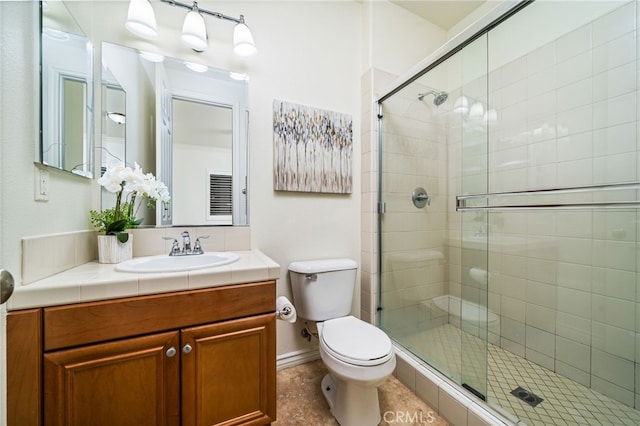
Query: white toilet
{"points": [[358, 355]]}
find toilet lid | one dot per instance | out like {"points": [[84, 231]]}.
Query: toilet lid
{"points": [[355, 341]]}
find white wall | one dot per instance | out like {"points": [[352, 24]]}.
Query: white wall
{"points": [[308, 53]]}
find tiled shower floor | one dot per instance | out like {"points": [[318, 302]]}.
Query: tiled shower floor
{"points": [[565, 402]]}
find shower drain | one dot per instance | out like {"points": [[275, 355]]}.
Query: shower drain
{"points": [[527, 396]]}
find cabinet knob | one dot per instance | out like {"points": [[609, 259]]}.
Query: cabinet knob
{"points": [[171, 351], [187, 348]]}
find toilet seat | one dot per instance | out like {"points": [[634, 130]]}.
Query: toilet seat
{"points": [[356, 342]]}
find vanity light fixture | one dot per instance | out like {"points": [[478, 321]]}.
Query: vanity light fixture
{"points": [[141, 20], [194, 32]]}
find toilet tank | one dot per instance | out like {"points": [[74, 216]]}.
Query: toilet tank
{"points": [[323, 289]]}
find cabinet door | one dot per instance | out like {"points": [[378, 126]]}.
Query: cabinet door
{"points": [[127, 382], [228, 373]]}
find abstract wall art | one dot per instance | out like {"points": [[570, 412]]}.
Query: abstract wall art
{"points": [[313, 149]]}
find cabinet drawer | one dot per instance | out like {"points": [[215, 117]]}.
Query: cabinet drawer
{"points": [[84, 323]]}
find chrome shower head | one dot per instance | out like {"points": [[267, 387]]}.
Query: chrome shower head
{"points": [[438, 97]]}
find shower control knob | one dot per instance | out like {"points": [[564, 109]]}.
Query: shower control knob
{"points": [[187, 348], [420, 198], [171, 352]]}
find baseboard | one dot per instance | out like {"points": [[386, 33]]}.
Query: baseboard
{"points": [[291, 359]]}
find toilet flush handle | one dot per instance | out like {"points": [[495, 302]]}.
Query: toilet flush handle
{"points": [[311, 277]]}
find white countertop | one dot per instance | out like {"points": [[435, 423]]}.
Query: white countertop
{"points": [[95, 281]]}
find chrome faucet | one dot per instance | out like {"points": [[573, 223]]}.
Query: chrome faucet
{"points": [[186, 249], [186, 243]]}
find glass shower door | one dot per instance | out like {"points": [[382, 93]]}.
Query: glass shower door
{"points": [[473, 307], [431, 130]]}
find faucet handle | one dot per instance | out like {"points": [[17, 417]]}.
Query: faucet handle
{"points": [[197, 248], [175, 247]]}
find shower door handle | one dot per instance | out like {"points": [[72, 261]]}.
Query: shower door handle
{"points": [[420, 198]]}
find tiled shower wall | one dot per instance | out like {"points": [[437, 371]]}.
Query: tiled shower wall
{"points": [[565, 283], [413, 260]]}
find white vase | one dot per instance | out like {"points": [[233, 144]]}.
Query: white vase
{"points": [[110, 250]]}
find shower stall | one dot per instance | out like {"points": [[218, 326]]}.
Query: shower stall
{"points": [[508, 224]]}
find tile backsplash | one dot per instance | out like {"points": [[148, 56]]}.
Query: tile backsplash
{"points": [[46, 255]]}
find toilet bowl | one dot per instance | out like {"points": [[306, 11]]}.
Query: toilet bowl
{"points": [[358, 355], [359, 358]]}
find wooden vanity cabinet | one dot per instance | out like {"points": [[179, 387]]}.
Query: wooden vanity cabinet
{"points": [[203, 357]]}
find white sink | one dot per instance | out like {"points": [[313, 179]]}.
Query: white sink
{"points": [[166, 263]]}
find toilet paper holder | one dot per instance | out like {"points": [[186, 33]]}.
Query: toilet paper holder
{"points": [[284, 311]]}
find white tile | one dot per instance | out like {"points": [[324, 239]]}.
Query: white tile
{"points": [[541, 59], [574, 121], [613, 340], [614, 111], [577, 224], [611, 390], [514, 71], [575, 250], [577, 146], [573, 43], [514, 93], [614, 24], [512, 330], [614, 254], [615, 82], [614, 53], [613, 369], [575, 95], [575, 173], [544, 360], [542, 105], [575, 276], [615, 139], [513, 309], [575, 374], [574, 302], [542, 294], [540, 341], [450, 408], [541, 270], [574, 328], [540, 317], [614, 283], [427, 390], [615, 312], [573, 353], [614, 169], [574, 69], [542, 176], [541, 82]]}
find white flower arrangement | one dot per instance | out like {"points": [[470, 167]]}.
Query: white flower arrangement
{"points": [[129, 185]]}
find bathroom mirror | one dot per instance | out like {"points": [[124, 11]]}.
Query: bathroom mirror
{"points": [[187, 124], [66, 133]]}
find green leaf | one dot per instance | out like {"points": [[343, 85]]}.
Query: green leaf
{"points": [[116, 227], [123, 237]]}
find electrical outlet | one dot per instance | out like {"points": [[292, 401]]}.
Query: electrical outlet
{"points": [[41, 185]]}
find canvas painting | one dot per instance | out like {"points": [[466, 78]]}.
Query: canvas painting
{"points": [[312, 149]]}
